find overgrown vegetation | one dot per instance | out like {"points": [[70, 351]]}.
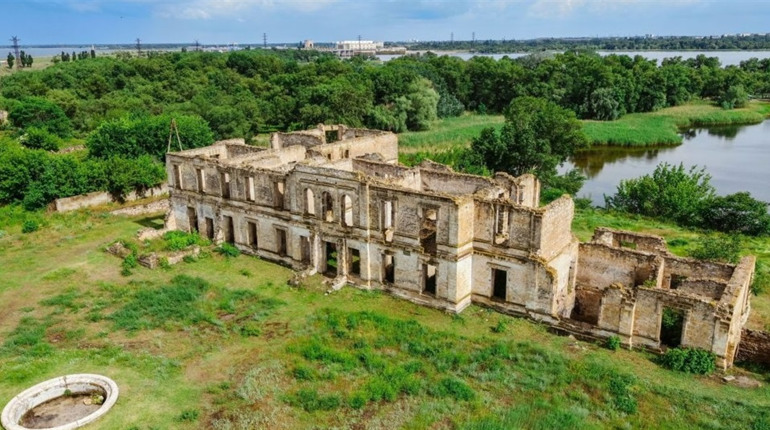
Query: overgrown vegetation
{"points": [[690, 360], [204, 346]]}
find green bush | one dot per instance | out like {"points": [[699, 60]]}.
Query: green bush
{"points": [[612, 343], [228, 250], [40, 138], [130, 261], [177, 240], [30, 226], [188, 415], [455, 388], [690, 360], [670, 192], [619, 388], [761, 278], [720, 248]]}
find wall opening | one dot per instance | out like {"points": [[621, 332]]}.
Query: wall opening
{"points": [[676, 281], [332, 136], [671, 327], [388, 269], [331, 259], [347, 211], [587, 305], [229, 230], [199, 177], [192, 219], [304, 244], [429, 279], [278, 192], [346, 153], [387, 219], [309, 202], [327, 206], [281, 241], [354, 262], [210, 228], [428, 230], [177, 177], [250, 193], [253, 240], [501, 224], [499, 284], [225, 181]]}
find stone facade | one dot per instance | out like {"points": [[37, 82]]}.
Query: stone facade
{"points": [[334, 200]]}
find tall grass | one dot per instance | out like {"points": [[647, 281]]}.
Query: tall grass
{"points": [[447, 134], [662, 127]]}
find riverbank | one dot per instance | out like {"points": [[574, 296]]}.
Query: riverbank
{"points": [[663, 127]]}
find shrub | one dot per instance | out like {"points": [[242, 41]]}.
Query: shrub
{"points": [[500, 327], [178, 240], [188, 415], [612, 343], [690, 360], [455, 388], [311, 401], [130, 261], [30, 226], [718, 248], [228, 250], [40, 138], [734, 97], [761, 278], [670, 192], [620, 389]]}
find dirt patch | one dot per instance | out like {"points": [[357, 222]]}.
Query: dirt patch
{"points": [[62, 410]]}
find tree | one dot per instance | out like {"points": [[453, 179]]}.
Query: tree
{"points": [[41, 113], [671, 192], [538, 135], [738, 213], [10, 59], [132, 137], [734, 97], [422, 108]]}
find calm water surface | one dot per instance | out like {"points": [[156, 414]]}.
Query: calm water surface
{"points": [[737, 157]]}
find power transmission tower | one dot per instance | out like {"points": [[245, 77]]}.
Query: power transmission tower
{"points": [[359, 42], [264, 40], [138, 47], [197, 45], [15, 41], [171, 131], [452, 37], [473, 37]]}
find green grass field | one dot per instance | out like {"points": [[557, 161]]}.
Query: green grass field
{"points": [[447, 134], [225, 344], [662, 127]]}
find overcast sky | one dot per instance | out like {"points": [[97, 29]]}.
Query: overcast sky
{"points": [[244, 21]]}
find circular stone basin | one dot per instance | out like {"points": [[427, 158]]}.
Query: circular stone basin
{"points": [[62, 403]]}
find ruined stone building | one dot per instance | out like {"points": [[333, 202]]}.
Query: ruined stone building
{"points": [[334, 200]]}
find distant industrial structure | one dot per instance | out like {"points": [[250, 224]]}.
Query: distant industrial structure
{"points": [[351, 48]]}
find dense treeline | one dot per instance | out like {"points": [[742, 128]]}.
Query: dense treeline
{"points": [[674, 43], [123, 107]]}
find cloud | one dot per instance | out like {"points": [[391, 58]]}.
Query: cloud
{"points": [[565, 8], [208, 9]]}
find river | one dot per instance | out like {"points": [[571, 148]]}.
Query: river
{"points": [[737, 157], [726, 58]]}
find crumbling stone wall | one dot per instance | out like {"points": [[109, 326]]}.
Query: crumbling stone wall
{"points": [[444, 239], [754, 347]]}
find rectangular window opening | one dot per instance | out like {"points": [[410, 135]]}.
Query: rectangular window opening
{"points": [[225, 180], [331, 259], [499, 284], [192, 218], [355, 262], [429, 279], [210, 228], [251, 192], [388, 269], [281, 239], [304, 243], [671, 327], [253, 240], [229, 230], [428, 231], [278, 192], [177, 177], [200, 178]]}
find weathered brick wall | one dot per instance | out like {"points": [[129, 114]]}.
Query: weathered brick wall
{"points": [[754, 347]]}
